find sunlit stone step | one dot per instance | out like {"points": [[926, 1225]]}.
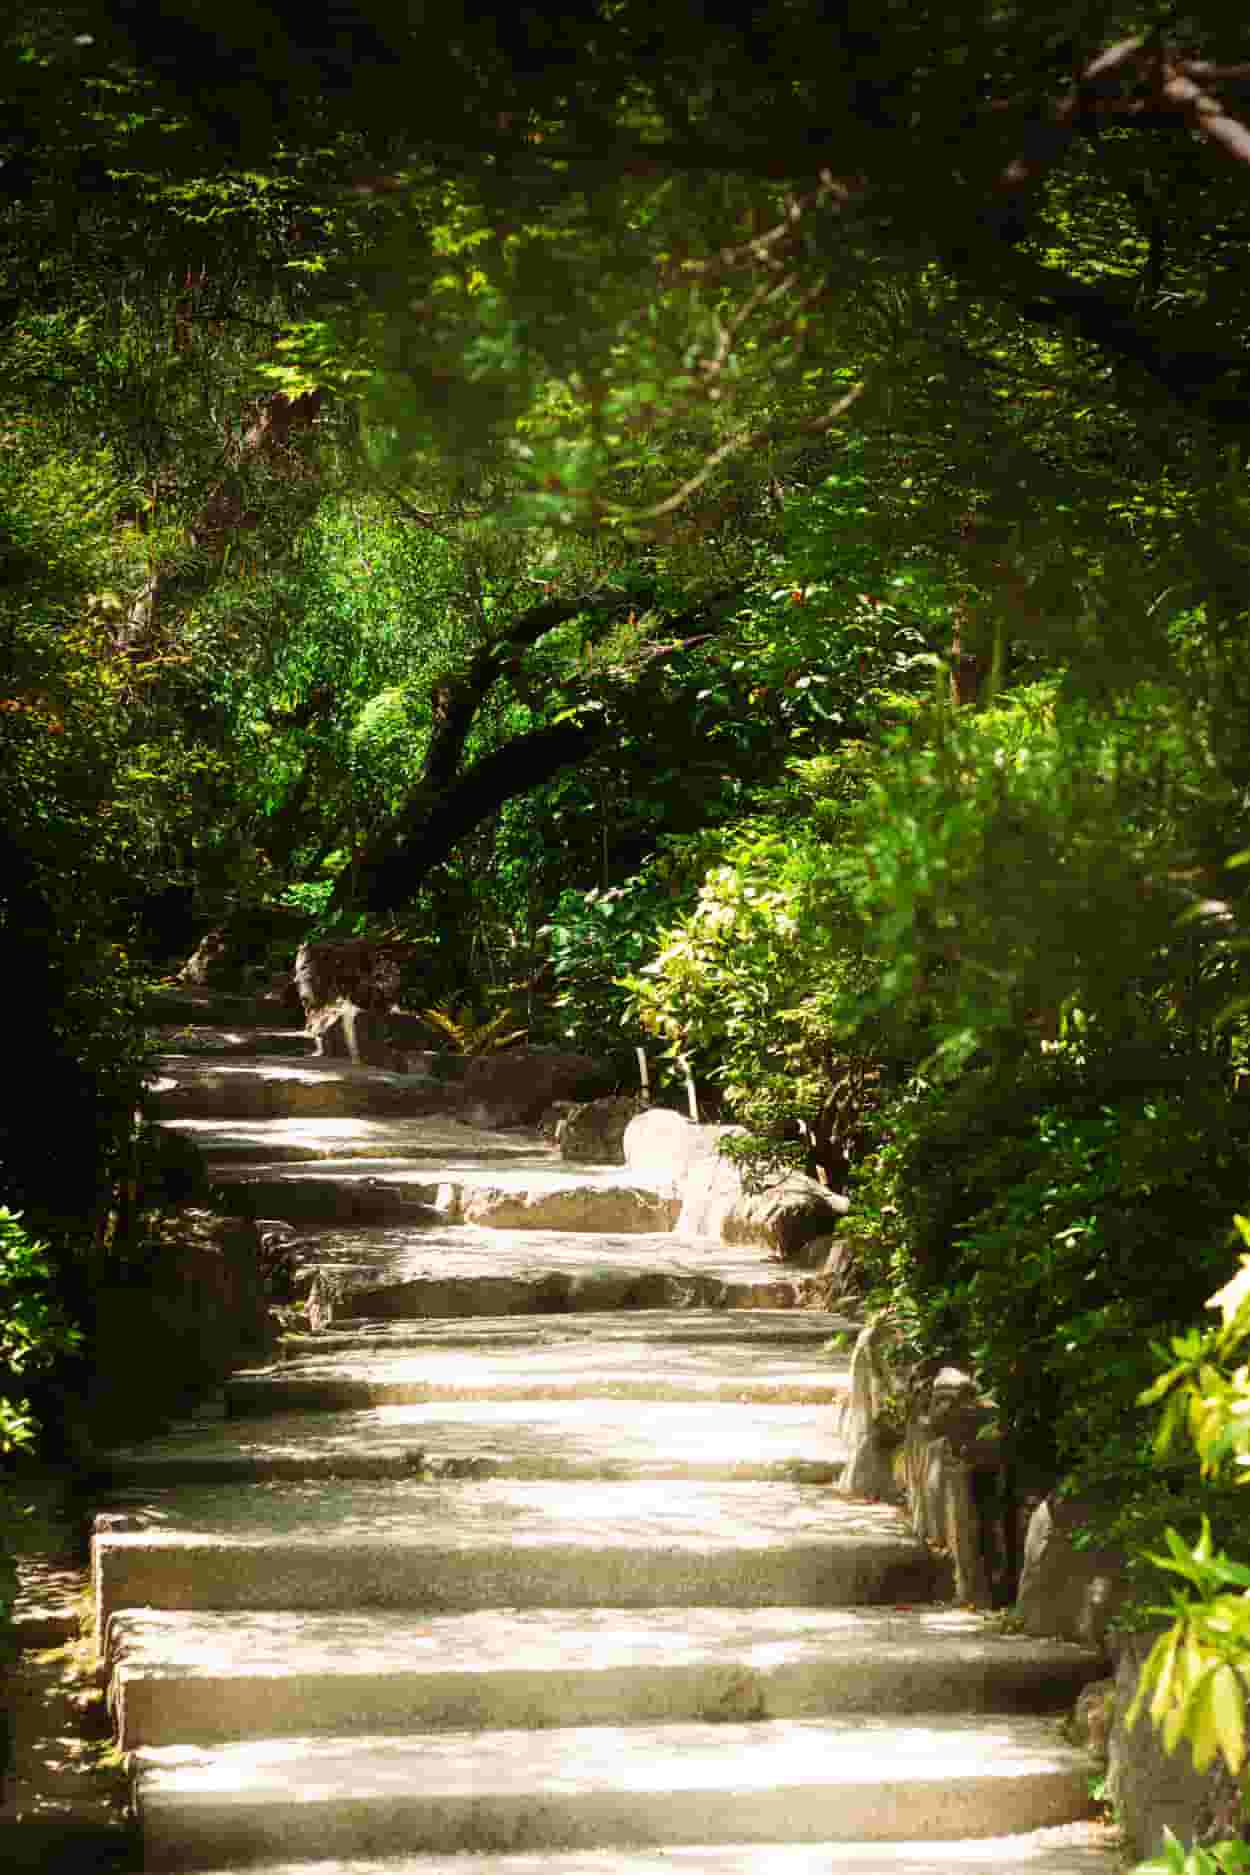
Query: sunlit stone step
{"points": [[409, 1272], [197, 1676], [454, 1547], [659, 1330], [399, 1142], [568, 1438], [1067, 1849], [277, 1087], [798, 1780], [643, 1355]]}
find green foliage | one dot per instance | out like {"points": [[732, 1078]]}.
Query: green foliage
{"points": [[1220, 1858], [742, 985], [1044, 1226], [1194, 1679], [1034, 858], [35, 1332], [34, 1328], [596, 939], [83, 810]]}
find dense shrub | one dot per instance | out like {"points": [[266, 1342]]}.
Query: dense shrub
{"points": [[35, 1332], [1046, 1227]]}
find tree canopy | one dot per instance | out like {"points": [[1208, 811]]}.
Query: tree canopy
{"points": [[727, 536]]}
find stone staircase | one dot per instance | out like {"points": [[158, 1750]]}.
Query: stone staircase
{"points": [[533, 1556]]}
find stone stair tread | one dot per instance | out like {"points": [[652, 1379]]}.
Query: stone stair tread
{"points": [[1067, 1849], [207, 1040], [494, 1543], [181, 1675], [541, 1438], [550, 1366], [418, 1137], [763, 1328], [429, 1268], [859, 1779], [275, 1086], [394, 1380]]}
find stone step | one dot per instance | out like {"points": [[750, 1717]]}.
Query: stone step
{"points": [[527, 1194], [405, 1272], [204, 1677], [534, 1439], [554, 1368], [454, 1547], [274, 1087], [1068, 1849], [186, 1002], [244, 1151], [655, 1334], [858, 1779], [206, 1039]]}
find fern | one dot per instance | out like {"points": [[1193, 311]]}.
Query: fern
{"points": [[466, 1035]]}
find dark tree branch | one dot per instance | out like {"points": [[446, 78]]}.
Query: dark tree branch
{"points": [[450, 802], [437, 820]]}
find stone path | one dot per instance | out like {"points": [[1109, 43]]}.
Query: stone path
{"points": [[533, 1555]]}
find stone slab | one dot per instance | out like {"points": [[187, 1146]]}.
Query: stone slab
{"points": [[570, 1438], [578, 1201], [409, 1143], [483, 1189], [198, 1038], [260, 1087], [402, 1272], [623, 1368], [652, 1335], [453, 1547], [188, 1002], [1068, 1849], [815, 1780], [207, 1677]]}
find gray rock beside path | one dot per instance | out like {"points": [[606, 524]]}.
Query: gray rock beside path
{"points": [[787, 1213]]}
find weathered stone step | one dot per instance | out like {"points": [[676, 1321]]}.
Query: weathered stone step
{"points": [[526, 1194], [625, 1359], [815, 1780], [570, 1438], [405, 1272], [247, 1151], [1068, 1849], [455, 1547], [214, 1040], [185, 1002], [210, 1676], [269, 1087], [653, 1335]]}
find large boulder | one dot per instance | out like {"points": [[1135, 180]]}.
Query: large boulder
{"points": [[245, 942], [789, 1211], [355, 970], [661, 1146], [348, 992], [667, 1149], [1067, 1593], [593, 1133], [189, 1307], [210, 963], [515, 1086], [608, 1210], [342, 1031], [872, 1418]]}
